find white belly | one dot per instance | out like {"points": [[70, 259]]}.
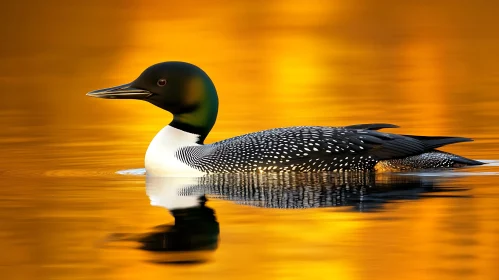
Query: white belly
{"points": [[160, 157]]}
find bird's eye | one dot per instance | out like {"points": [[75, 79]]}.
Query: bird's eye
{"points": [[161, 82]]}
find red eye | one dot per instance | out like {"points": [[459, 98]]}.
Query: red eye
{"points": [[161, 82]]}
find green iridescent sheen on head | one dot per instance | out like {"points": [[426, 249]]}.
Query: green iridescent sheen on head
{"points": [[189, 94], [178, 87]]}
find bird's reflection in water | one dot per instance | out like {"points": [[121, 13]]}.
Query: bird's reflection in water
{"points": [[359, 190], [195, 234]]}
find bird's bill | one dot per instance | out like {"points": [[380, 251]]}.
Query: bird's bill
{"points": [[120, 92]]}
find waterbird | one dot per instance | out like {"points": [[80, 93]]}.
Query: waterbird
{"points": [[187, 92]]}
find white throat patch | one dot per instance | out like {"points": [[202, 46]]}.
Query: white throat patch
{"points": [[160, 157]]}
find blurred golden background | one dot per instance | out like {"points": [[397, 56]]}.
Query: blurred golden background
{"points": [[429, 66]]}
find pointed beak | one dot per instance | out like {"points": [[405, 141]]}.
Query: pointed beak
{"points": [[120, 92]]}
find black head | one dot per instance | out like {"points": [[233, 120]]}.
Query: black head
{"points": [[178, 87]]}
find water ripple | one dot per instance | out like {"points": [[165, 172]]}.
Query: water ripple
{"points": [[133, 172]]}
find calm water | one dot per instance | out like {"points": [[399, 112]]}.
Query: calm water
{"points": [[430, 68]]}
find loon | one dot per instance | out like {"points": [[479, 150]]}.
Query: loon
{"points": [[187, 92]]}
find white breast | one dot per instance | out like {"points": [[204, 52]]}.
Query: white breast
{"points": [[160, 157]]}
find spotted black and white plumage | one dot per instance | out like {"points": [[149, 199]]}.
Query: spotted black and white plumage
{"points": [[308, 149]]}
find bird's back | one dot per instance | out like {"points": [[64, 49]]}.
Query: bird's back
{"points": [[306, 148]]}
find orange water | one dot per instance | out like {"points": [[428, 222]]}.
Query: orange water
{"points": [[429, 67]]}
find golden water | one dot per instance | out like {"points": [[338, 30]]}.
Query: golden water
{"points": [[430, 67]]}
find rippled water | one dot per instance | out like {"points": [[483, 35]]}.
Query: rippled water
{"points": [[69, 213]]}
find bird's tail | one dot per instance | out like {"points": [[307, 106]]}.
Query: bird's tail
{"points": [[462, 161], [426, 161]]}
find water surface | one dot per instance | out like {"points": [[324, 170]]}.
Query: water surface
{"points": [[430, 68]]}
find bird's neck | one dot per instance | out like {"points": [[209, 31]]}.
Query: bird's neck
{"points": [[199, 121]]}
